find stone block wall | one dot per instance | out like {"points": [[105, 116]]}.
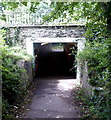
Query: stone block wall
{"points": [[30, 34], [52, 31], [34, 32], [26, 76]]}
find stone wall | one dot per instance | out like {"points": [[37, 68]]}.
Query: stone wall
{"points": [[83, 77], [31, 34], [26, 76], [34, 32], [52, 31]]}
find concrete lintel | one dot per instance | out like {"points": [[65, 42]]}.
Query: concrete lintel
{"points": [[29, 42], [57, 40]]}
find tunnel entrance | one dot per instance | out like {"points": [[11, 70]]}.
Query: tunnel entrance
{"points": [[55, 59]]}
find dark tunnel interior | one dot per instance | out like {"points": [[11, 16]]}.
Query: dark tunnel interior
{"points": [[55, 59]]}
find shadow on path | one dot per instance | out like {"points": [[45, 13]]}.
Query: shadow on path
{"points": [[52, 99]]}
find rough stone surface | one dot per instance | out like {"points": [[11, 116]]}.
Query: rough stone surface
{"points": [[73, 32], [26, 76], [34, 32]]}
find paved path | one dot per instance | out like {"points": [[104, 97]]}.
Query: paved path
{"points": [[52, 99]]}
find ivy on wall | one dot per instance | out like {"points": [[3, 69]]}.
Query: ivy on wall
{"points": [[11, 36]]}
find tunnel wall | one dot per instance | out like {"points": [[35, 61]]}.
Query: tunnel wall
{"points": [[28, 35], [54, 60]]}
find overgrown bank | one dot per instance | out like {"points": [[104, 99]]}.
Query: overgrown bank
{"points": [[15, 79], [97, 55]]}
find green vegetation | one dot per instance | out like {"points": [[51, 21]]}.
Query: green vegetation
{"points": [[13, 90], [91, 106], [97, 51]]}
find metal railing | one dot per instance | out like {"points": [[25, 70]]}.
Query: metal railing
{"points": [[28, 19], [21, 18]]}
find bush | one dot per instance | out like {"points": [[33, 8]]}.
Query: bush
{"points": [[97, 55], [12, 88]]}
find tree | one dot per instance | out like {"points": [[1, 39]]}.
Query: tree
{"points": [[97, 51]]}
